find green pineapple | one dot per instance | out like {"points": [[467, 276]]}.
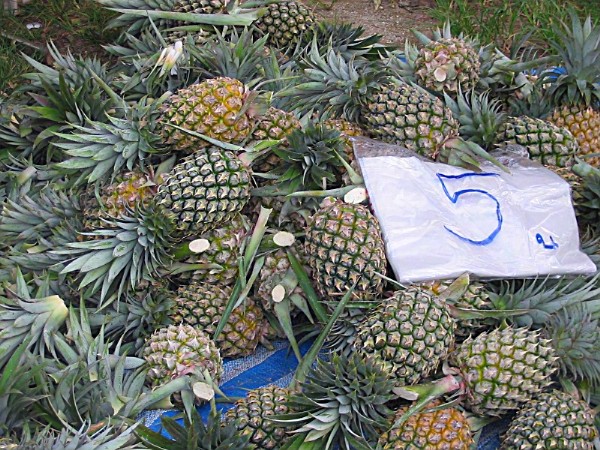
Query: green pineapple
{"points": [[203, 305], [410, 332], [251, 416], [474, 298], [549, 143], [285, 22], [503, 369], [552, 420], [205, 190], [344, 247], [178, 350]]}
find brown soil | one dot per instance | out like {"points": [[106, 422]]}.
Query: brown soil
{"points": [[393, 19]]}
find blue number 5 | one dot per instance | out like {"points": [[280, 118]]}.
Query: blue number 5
{"points": [[455, 197]]}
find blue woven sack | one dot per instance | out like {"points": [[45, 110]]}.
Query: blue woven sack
{"points": [[276, 367]]}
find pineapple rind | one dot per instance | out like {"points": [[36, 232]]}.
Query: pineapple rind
{"points": [[177, 350], [213, 107], [409, 116], [443, 429], [206, 190], [251, 416], [552, 420], [343, 247], [411, 332], [504, 368]]}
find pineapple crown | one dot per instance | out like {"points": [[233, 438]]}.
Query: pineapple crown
{"points": [[130, 248], [86, 437], [194, 433], [333, 85], [479, 117], [578, 50], [342, 402], [36, 218], [29, 314], [531, 303], [344, 38], [310, 158], [575, 336], [234, 55], [99, 151]]}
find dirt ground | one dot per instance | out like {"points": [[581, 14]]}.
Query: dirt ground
{"points": [[393, 19]]}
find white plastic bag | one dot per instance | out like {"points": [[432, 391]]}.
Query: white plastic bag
{"points": [[439, 221]]}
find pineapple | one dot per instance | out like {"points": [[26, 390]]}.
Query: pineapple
{"points": [[552, 420], [203, 305], [224, 245], [251, 416], [551, 144], [437, 429], [341, 402], [503, 369], [474, 298], [410, 332], [482, 121], [447, 64], [178, 350], [274, 124], [394, 111], [576, 92], [124, 193], [216, 107], [344, 247], [205, 190], [285, 22]]}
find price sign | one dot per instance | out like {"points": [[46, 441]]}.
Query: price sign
{"points": [[439, 221]]}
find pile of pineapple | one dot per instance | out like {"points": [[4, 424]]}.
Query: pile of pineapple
{"points": [[194, 196]]}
